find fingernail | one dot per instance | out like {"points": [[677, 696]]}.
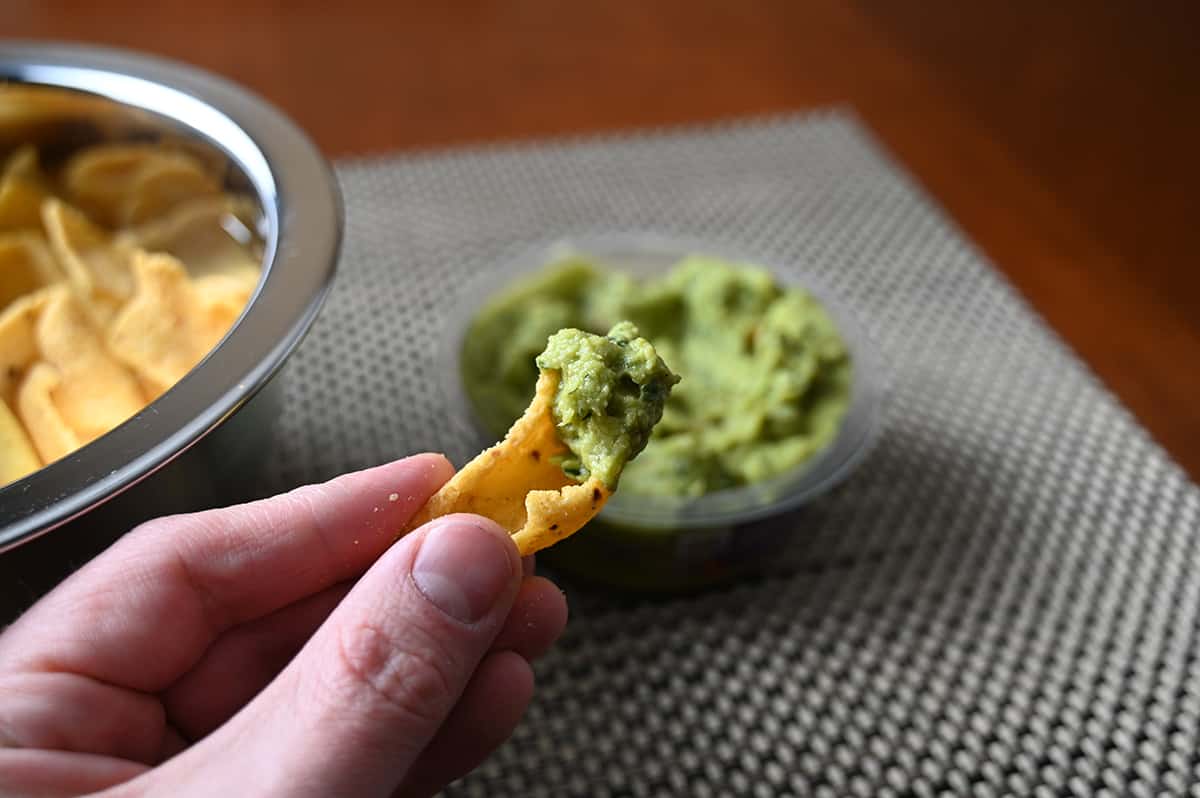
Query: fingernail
{"points": [[462, 569]]}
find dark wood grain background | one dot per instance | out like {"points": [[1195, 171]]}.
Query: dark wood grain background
{"points": [[1063, 137]]}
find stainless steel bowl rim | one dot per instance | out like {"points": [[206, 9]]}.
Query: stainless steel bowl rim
{"points": [[300, 199]]}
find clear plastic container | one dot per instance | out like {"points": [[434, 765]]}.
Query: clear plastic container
{"points": [[666, 543]]}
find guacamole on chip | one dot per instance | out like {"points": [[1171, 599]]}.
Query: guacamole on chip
{"points": [[611, 392], [765, 373], [594, 404]]}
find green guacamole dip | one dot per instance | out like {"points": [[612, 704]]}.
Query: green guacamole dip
{"points": [[610, 395], [766, 376]]}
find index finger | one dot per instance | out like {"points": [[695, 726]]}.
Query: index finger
{"points": [[143, 612]]}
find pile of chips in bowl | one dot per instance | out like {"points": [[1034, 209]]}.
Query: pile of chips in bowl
{"points": [[120, 270]]}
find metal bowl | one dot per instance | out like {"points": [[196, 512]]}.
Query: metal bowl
{"points": [[200, 442]]}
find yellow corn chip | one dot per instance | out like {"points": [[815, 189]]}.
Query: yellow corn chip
{"points": [[17, 455], [210, 235], [95, 392], [18, 344], [23, 162], [517, 484], [163, 184], [222, 298], [99, 177], [122, 184], [29, 113], [168, 327], [25, 266], [22, 190], [50, 433], [97, 267], [20, 204]]}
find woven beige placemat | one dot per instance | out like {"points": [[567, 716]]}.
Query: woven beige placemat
{"points": [[1004, 600]]}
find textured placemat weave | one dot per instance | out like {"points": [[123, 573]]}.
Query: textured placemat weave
{"points": [[1004, 600]]}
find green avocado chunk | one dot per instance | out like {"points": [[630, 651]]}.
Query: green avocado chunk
{"points": [[611, 392], [766, 375]]}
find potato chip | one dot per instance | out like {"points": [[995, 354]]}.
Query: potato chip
{"points": [[52, 436], [97, 267], [167, 327], [518, 483], [94, 392], [17, 455], [123, 184], [22, 190], [25, 266]]}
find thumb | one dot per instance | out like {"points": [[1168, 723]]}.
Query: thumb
{"points": [[358, 704]]}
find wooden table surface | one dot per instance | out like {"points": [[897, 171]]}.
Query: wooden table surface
{"points": [[1061, 136]]}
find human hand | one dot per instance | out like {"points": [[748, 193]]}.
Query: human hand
{"points": [[244, 651]]}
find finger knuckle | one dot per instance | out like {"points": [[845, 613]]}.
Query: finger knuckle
{"points": [[411, 678], [155, 528]]}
